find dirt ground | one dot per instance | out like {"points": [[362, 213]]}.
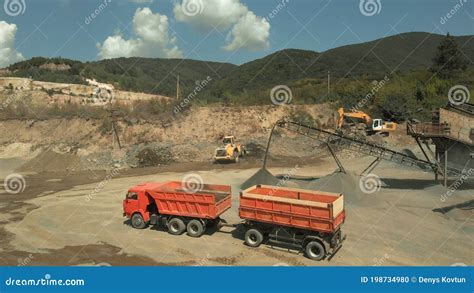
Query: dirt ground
{"points": [[76, 219]]}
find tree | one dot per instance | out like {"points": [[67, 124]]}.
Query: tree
{"points": [[448, 60]]}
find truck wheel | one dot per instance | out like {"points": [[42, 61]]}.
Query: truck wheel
{"points": [[176, 226], [315, 250], [253, 237], [195, 228], [137, 221]]}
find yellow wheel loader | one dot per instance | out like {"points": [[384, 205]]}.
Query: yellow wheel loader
{"points": [[229, 151]]}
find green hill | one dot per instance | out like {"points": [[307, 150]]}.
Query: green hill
{"points": [[371, 60], [157, 76], [399, 53]]}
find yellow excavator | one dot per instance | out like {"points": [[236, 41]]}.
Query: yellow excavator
{"points": [[372, 125], [230, 151]]}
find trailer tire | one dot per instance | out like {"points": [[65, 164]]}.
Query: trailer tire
{"points": [[176, 226], [195, 228], [137, 221], [315, 250], [253, 238]]}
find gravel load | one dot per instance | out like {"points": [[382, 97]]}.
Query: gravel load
{"points": [[263, 176]]}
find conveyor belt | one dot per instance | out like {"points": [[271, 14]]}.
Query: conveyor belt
{"points": [[366, 148]]}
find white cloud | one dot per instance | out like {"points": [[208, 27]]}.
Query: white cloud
{"points": [[205, 14], [8, 54], [152, 39], [248, 31]]}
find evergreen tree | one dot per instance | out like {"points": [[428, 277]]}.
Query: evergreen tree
{"points": [[448, 60]]}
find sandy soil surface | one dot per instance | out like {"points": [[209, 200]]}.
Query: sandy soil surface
{"points": [[76, 219]]}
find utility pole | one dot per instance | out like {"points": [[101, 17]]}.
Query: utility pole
{"points": [[329, 82], [177, 89], [113, 118]]}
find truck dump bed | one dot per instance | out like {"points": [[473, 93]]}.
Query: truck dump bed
{"points": [[313, 210], [208, 202]]}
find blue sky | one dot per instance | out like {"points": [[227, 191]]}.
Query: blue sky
{"points": [[59, 27]]}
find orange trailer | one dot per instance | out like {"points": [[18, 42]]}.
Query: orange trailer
{"points": [[304, 219]]}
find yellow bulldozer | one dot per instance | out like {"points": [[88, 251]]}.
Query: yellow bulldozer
{"points": [[229, 151], [372, 125]]}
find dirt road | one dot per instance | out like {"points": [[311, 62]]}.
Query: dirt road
{"points": [[76, 219]]}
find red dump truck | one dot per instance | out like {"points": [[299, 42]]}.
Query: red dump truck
{"points": [[306, 220], [302, 219], [176, 206]]}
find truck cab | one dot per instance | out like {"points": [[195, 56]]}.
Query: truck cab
{"points": [[137, 204]]}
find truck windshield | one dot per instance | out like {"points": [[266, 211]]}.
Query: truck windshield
{"points": [[132, 195], [227, 140]]}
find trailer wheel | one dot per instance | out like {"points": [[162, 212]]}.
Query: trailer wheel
{"points": [[195, 228], [137, 221], [315, 250], [176, 226], [253, 237]]}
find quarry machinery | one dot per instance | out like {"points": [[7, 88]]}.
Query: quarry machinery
{"points": [[372, 125], [229, 151], [334, 141]]}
